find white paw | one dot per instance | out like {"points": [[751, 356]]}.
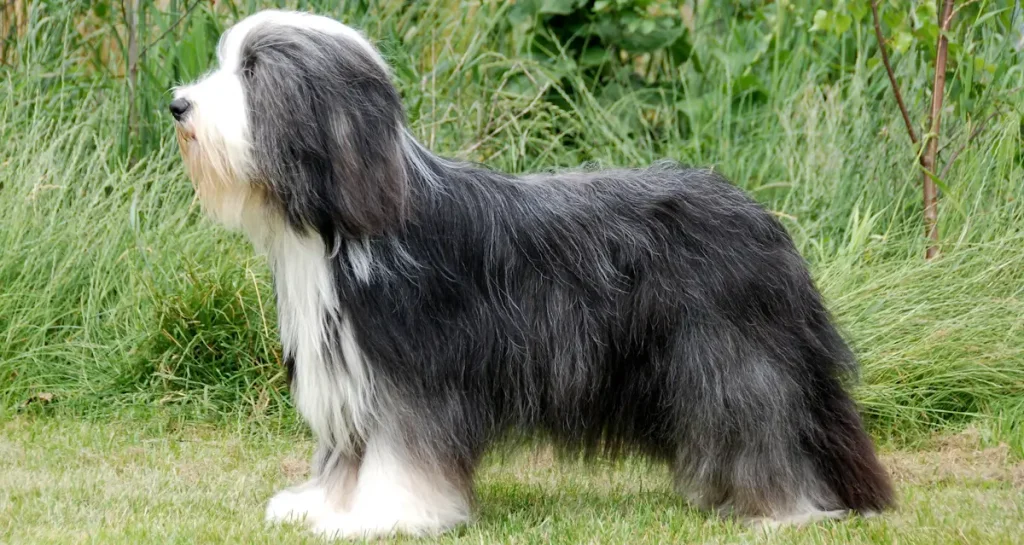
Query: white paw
{"points": [[305, 502], [356, 525], [342, 526], [797, 519]]}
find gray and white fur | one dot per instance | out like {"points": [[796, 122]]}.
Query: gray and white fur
{"points": [[430, 307]]}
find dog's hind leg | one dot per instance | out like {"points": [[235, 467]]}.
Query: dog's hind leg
{"points": [[751, 475], [737, 420], [763, 439]]}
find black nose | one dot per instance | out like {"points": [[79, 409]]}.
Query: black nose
{"points": [[179, 107]]}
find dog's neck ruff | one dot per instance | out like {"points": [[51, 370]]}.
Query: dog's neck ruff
{"points": [[331, 382]]}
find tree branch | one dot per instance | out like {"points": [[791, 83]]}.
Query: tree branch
{"points": [[892, 76]]}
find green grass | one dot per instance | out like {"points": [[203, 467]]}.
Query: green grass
{"points": [[116, 294], [155, 481], [121, 306]]}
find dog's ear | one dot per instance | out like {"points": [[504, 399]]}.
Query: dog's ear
{"points": [[326, 124]]}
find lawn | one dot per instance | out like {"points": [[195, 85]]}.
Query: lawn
{"points": [[146, 480]]}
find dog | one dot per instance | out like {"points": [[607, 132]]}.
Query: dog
{"points": [[429, 307]]}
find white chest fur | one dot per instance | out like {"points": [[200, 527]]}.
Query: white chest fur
{"points": [[332, 385]]}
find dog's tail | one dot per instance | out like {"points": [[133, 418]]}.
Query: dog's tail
{"points": [[844, 456], [835, 440]]}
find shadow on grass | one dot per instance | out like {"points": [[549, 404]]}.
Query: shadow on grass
{"points": [[563, 511]]}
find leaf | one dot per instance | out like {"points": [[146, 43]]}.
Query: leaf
{"points": [[528, 86], [558, 7], [981, 64], [928, 33], [841, 23], [734, 62], [1001, 69], [696, 107], [593, 56], [101, 9], [822, 21], [681, 48], [859, 9], [627, 38], [954, 52], [763, 45], [523, 11], [902, 40], [994, 13], [926, 13], [632, 22], [895, 19], [747, 82]]}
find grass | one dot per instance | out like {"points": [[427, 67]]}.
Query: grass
{"points": [[138, 345], [115, 293], [154, 481]]}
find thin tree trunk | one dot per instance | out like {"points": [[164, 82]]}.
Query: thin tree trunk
{"points": [[12, 21], [19, 17], [131, 15], [931, 211], [3, 33]]}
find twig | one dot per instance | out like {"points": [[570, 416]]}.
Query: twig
{"points": [[974, 134], [931, 212], [892, 77], [960, 7], [170, 29]]}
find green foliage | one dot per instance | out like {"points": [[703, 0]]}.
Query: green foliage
{"points": [[912, 29], [598, 31], [611, 47], [115, 292], [209, 328]]}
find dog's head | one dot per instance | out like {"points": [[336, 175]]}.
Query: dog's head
{"points": [[300, 119]]}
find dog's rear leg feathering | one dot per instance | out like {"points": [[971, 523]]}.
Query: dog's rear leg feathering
{"points": [[780, 442]]}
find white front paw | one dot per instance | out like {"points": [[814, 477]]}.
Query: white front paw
{"points": [[307, 502], [352, 526], [337, 526]]}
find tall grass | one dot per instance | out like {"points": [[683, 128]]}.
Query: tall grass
{"points": [[116, 293]]}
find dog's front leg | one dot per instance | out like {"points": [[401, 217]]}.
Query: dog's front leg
{"points": [[329, 489]]}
